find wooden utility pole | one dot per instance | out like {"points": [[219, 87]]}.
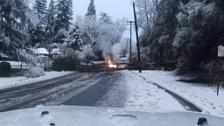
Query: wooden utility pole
{"points": [[130, 55], [137, 38], [126, 48]]}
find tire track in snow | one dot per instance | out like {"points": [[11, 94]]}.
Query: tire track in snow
{"points": [[184, 102]]}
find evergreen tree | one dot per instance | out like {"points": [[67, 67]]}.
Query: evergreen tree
{"points": [[74, 40], [40, 9], [51, 14], [91, 9], [64, 14], [163, 32], [105, 19], [14, 23], [38, 34], [38, 37]]}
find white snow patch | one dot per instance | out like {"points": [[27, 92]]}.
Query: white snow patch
{"points": [[131, 92], [200, 94], [41, 51], [9, 82], [17, 64], [148, 97]]}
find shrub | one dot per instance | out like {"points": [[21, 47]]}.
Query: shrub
{"points": [[35, 72], [5, 69], [183, 65], [65, 64]]}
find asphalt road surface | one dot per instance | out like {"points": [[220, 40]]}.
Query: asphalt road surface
{"points": [[74, 89]]}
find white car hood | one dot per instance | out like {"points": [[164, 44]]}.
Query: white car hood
{"points": [[88, 116]]}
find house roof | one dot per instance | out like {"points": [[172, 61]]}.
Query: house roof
{"points": [[41, 51], [56, 51]]}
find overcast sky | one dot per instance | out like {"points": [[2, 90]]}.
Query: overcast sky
{"points": [[115, 8]]}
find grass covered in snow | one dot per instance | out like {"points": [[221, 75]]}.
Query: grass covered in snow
{"points": [[9, 82], [200, 94]]}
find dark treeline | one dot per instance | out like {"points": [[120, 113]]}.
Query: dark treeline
{"points": [[184, 32]]}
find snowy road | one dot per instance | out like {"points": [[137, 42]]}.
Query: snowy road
{"points": [[122, 89], [127, 90], [50, 92], [131, 92]]}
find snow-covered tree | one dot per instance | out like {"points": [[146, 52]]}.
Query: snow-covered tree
{"points": [[91, 9], [159, 38], [50, 28], [73, 40], [62, 20], [38, 37], [105, 18], [197, 35], [63, 14], [51, 14], [15, 20], [89, 29], [184, 31], [100, 34], [109, 35], [40, 9], [38, 34], [147, 12]]}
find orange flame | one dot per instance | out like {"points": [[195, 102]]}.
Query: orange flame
{"points": [[110, 63]]}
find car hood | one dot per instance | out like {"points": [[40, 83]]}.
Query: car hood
{"points": [[89, 116]]}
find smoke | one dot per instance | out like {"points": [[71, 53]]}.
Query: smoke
{"points": [[116, 50]]}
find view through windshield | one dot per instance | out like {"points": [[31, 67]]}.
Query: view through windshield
{"points": [[121, 62]]}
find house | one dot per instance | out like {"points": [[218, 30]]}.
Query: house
{"points": [[3, 56], [41, 52], [56, 52], [43, 57]]}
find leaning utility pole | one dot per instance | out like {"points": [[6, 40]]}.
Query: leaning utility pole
{"points": [[138, 44], [130, 55], [126, 48]]}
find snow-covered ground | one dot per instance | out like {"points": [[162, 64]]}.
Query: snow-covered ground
{"points": [[202, 95], [131, 92], [9, 82], [16, 64]]}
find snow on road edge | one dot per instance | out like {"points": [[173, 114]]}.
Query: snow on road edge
{"points": [[201, 95], [9, 82], [131, 92]]}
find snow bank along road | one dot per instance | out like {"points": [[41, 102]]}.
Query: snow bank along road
{"points": [[10, 82], [51, 92]]}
